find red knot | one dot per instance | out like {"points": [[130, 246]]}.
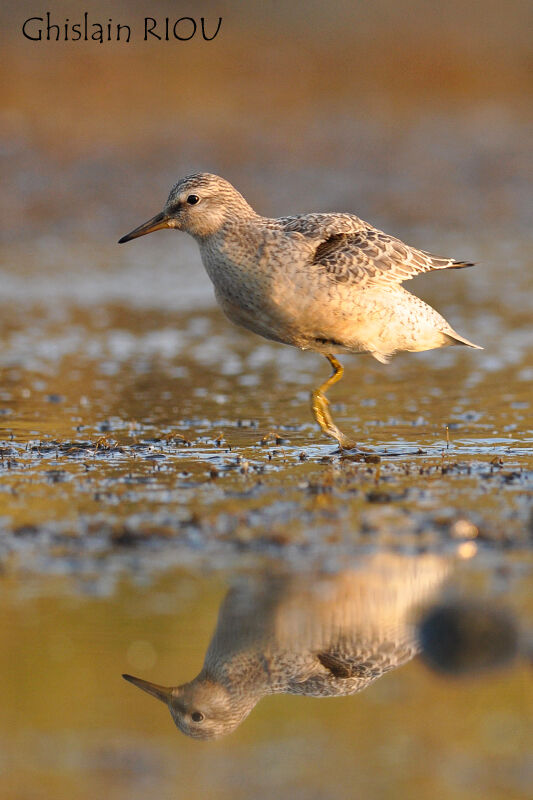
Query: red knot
{"points": [[324, 281], [312, 634]]}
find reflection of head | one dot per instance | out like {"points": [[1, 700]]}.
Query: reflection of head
{"points": [[312, 634], [201, 709]]}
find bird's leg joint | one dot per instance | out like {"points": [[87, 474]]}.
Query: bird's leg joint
{"points": [[320, 403]]}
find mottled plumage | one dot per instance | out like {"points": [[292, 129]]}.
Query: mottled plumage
{"points": [[353, 251], [325, 282], [315, 635]]}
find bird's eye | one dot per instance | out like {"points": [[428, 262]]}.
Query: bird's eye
{"points": [[197, 716], [193, 199]]}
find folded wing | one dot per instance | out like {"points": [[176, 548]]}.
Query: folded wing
{"points": [[351, 250]]}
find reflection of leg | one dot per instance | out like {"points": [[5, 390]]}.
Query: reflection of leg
{"points": [[320, 403]]}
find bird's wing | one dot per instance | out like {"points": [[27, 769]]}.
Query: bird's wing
{"points": [[339, 667], [366, 660], [351, 250]]}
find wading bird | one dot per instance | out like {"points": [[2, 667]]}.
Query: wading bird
{"points": [[319, 635], [328, 282]]}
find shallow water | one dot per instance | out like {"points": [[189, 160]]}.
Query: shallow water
{"points": [[153, 456], [124, 422], [83, 730], [155, 460]]}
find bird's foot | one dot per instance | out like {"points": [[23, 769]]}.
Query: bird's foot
{"points": [[322, 414]]}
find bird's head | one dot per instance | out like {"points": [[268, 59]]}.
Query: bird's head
{"points": [[201, 709], [199, 204]]}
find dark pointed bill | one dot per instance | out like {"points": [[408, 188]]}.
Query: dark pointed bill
{"points": [[162, 693], [155, 224]]}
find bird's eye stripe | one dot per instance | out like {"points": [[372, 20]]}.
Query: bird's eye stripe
{"points": [[193, 199]]}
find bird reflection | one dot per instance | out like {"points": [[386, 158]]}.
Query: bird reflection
{"points": [[322, 635]]}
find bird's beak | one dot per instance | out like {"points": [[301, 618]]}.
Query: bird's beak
{"points": [[162, 693], [160, 220]]}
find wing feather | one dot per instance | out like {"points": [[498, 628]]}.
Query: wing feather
{"points": [[351, 250]]}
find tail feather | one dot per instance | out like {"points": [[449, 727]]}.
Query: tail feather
{"points": [[461, 265], [452, 338]]}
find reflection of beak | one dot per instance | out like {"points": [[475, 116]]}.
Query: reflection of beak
{"points": [[162, 693], [160, 220]]}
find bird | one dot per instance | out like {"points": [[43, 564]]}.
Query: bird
{"points": [[327, 282], [309, 633]]}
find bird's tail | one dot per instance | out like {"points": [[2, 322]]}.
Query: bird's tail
{"points": [[451, 338]]}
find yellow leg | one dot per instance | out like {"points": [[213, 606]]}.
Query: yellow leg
{"points": [[320, 403]]}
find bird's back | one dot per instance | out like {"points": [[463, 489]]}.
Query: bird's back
{"points": [[326, 282]]}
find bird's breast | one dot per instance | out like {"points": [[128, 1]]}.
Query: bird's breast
{"points": [[258, 283]]}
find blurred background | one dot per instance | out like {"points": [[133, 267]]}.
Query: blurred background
{"points": [[409, 113], [118, 537]]}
